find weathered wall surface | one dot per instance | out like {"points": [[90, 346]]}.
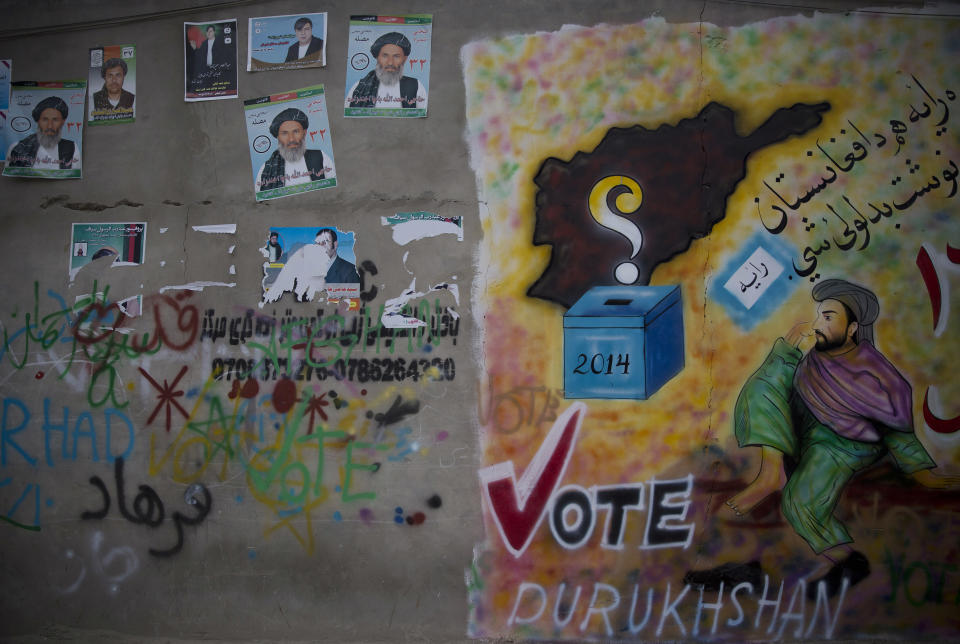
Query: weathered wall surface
{"points": [[298, 471]]}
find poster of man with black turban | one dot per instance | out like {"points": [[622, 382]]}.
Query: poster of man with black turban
{"points": [[45, 129], [388, 66], [290, 146]]}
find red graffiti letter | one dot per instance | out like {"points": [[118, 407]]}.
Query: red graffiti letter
{"points": [[519, 506], [934, 422]]}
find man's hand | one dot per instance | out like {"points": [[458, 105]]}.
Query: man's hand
{"points": [[800, 332], [927, 478]]}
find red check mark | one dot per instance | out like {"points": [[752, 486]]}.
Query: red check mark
{"points": [[518, 507]]}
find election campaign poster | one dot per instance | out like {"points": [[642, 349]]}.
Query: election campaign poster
{"points": [[210, 60], [388, 66], [290, 146], [6, 68], [114, 70], [45, 129], [287, 42], [307, 261], [125, 242]]}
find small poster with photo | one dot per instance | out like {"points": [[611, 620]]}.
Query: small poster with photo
{"points": [[6, 71], [291, 151], [45, 129], [388, 66], [210, 60], [308, 261], [113, 70], [125, 242], [287, 42]]}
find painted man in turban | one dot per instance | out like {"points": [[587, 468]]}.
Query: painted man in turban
{"points": [[292, 163], [45, 148], [385, 85], [831, 413]]}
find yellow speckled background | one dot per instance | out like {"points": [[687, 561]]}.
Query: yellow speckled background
{"points": [[553, 94]]}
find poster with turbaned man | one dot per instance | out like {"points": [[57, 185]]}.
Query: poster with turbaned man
{"points": [[291, 151], [388, 66], [45, 129]]}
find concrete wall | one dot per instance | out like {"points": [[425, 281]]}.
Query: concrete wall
{"points": [[358, 520]]}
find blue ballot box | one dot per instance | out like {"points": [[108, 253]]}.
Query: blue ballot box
{"points": [[622, 341]]}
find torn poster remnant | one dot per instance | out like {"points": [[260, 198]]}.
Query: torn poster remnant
{"points": [[393, 316], [309, 261], [125, 242], [411, 226], [225, 229]]}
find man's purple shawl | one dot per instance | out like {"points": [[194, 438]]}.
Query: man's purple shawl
{"points": [[855, 392]]}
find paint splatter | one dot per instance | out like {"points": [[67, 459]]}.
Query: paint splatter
{"points": [[284, 395], [399, 410]]}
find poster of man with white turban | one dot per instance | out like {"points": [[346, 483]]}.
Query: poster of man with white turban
{"points": [[388, 66], [45, 129], [290, 146]]}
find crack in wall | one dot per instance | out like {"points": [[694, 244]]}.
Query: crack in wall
{"points": [[85, 206]]}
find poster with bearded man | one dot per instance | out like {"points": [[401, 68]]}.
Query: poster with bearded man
{"points": [[45, 129], [290, 147], [388, 66]]}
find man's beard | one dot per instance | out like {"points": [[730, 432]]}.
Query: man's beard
{"points": [[387, 77], [48, 140], [293, 154], [825, 344]]}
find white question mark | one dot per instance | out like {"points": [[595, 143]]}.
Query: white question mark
{"points": [[627, 202]]}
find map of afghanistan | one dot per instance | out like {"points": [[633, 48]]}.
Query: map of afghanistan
{"points": [[686, 173]]}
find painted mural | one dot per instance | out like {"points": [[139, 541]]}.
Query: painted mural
{"points": [[718, 398]]}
